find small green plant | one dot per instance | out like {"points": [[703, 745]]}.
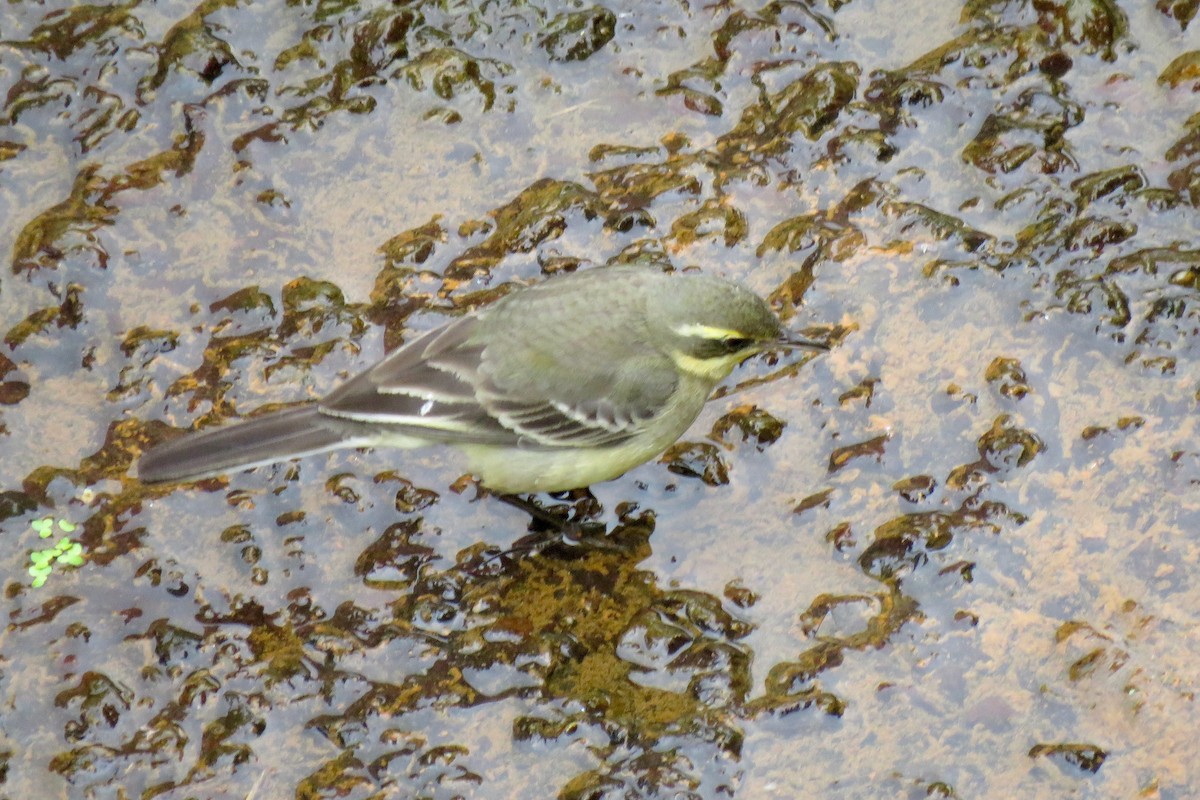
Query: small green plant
{"points": [[65, 551]]}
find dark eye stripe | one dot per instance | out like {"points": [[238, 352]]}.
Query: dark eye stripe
{"points": [[734, 344], [707, 347]]}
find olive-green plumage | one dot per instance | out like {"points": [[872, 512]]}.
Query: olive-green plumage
{"points": [[559, 386]]}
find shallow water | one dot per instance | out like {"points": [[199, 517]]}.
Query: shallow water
{"points": [[953, 557]]}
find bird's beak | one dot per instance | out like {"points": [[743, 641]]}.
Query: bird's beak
{"points": [[794, 341]]}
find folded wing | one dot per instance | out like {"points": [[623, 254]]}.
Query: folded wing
{"points": [[445, 387]]}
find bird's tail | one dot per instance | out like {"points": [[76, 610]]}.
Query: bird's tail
{"points": [[273, 437]]}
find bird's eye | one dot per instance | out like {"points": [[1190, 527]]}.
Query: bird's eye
{"points": [[734, 344]]}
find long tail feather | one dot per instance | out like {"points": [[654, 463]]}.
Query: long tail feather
{"points": [[274, 437]]}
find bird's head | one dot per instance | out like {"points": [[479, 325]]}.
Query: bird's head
{"points": [[710, 325]]}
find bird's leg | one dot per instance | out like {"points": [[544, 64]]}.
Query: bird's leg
{"points": [[539, 516], [573, 525], [547, 528]]}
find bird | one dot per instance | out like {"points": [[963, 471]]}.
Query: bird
{"points": [[559, 386]]}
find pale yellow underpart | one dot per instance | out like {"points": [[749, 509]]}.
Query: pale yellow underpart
{"points": [[514, 471], [710, 369]]}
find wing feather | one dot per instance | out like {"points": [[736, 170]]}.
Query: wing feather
{"points": [[442, 386]]}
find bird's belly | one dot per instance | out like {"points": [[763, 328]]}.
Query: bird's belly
{"points": [[514, 471]]}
